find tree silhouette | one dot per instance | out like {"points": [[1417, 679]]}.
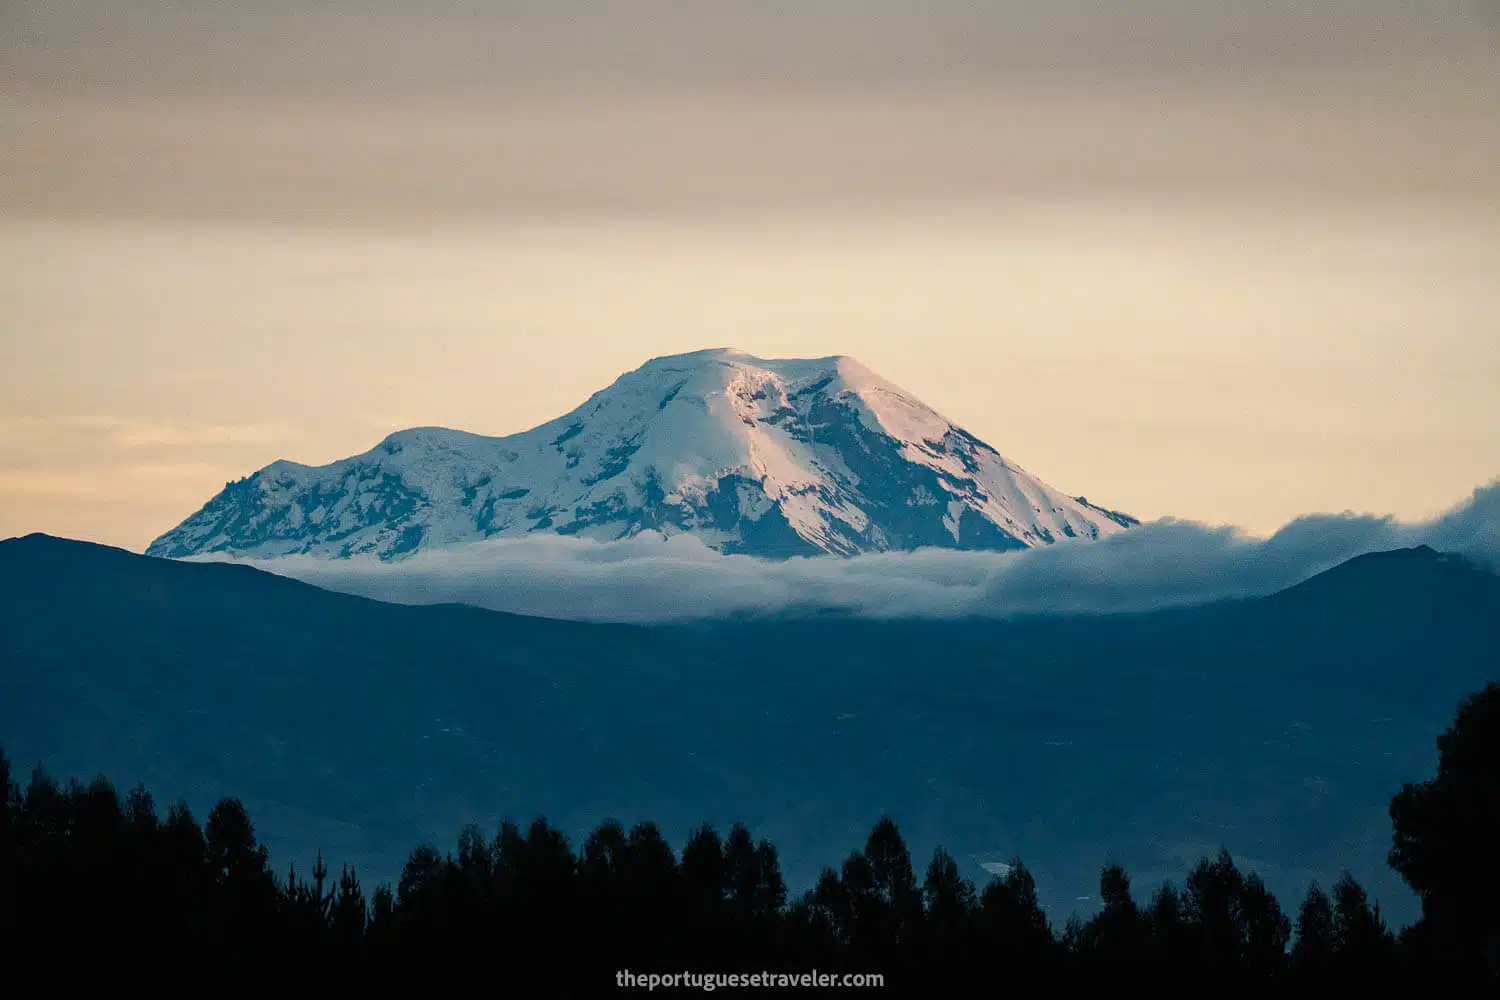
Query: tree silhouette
{"points": [[705, 872], [898, 901], [1119, 932], [1265, 932], [705, 877], [99, 891], [1445, 834], [650, 887], [756, 891], [10, 808], [829, 908], [863, 913], [1365, 946], [421, 882], [547, 897], [230, 839], [347, 915], [140, 811], [951, 904], [1212, 908], [1357, 927], [949, 897], [1013, 924], [605, 909], [1116, 944], [1315, 945], [245, 899], [9, 799], [1167, 921]]}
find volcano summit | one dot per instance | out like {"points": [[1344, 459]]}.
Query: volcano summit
{"points": [[771, 458]]}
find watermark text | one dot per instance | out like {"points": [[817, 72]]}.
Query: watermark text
{"points": [[710, 981]]}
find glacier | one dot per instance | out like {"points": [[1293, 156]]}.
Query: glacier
{"points": [[769, 458]]}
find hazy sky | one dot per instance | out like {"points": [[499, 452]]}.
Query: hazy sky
{"points": [[1221, 260]]}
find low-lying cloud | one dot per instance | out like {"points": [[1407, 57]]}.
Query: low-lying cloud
{"points": [[650, 579]]}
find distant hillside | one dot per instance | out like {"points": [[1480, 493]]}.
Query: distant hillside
{"points": [[1278, 727]]}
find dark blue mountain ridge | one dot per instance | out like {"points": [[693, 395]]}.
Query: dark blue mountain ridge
{"points": [[1278, 727]]}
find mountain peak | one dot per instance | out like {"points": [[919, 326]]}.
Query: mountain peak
{"points": [[734, 356], [734, 360], [768, 457], [703, 356]]}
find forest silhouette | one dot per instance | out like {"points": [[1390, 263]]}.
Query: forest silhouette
{"points": [[96, 889]]}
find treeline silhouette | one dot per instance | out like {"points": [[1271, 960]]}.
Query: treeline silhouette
{"points": [[102, 890]]}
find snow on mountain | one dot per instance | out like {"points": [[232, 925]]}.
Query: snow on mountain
{"points": [[770, 458]]}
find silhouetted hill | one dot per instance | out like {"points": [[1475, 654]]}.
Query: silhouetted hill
{"points": [[1277, 727]]}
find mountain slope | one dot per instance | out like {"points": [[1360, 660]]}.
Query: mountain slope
{"points": [[1277, 727], [768, 458]]}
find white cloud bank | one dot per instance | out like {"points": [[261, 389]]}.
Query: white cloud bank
{"points": [[649, 579]]}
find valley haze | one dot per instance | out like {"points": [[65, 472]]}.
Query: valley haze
{"points": [[643, 579]]}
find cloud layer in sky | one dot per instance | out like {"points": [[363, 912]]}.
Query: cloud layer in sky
{"points": [[453, 46], [648, 579], [379, 113]]}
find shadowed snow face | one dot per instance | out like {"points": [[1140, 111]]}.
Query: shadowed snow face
{"points": [[648, 579]]}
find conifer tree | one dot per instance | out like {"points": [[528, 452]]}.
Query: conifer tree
{"points": [[704, 869], [347, 915], [1016, 928], [949, 947], [132, 891], [1315, 944], [1212, 908], [1265, 931], [140, 811], [949, 897], [895, 884], [1445, 832]]}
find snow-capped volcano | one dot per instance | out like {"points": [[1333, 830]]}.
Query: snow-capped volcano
{"points": [[769, 458]]}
